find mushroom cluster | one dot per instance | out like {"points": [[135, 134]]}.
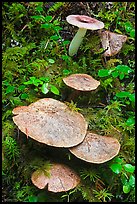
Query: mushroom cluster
{"points": [[51, 122]]}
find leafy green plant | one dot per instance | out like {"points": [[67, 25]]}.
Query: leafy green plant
{"points": [[126, 173], [120, 71], [126, 94], [43, 84]]}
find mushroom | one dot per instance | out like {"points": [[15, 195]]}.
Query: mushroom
{"points": [[61, 178], [80, 82], [96, 148], [51, 122], [83, 23], [111, 42]]}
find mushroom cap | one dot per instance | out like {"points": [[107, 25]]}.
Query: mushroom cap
{"points": [[51, 122], [113, 42], [96, 148], [61, 178], [86, 22], [81, 82]]}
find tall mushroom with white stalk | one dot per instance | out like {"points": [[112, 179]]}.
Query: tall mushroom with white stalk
{"points": [[83, 23]]}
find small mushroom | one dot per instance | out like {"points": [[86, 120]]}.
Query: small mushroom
{"points": [[96, 148], [51, 122], [61, 178], [83, 23], [80, 82], [111, 42]]}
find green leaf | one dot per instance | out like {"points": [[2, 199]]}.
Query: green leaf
{"points": [[31, 81], [124, 180], [118, 160], [36, 89], [104, 72], [124, 69], [122, 94], [52, 61], [57, 28], [116, 168], [66, 71], [126, 188], [115, 74], [39, 8], [66, 42], [37, 82], [32, 199], [24, 96], [132, 33], [128, 26], [46, 25], [132, 97], [44, 88], [48, 18], [130, 121], [10, 89], [54, 37], [129, 168], [121, 76], [132, 180], [54, 90], [40, 17], [45, 79], [21, 87]]}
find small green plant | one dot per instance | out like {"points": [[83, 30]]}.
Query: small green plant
{"points": [[126, 95], [11, 148], [126, 173], [42, 84], [103, 195], [121, 71], [24, 193], [88, 173]]}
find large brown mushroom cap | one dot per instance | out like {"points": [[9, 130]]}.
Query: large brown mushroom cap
{"points": [[51, 122], [113, 42], [96, 148], [86, 22], [81, 82], [61, 178]]}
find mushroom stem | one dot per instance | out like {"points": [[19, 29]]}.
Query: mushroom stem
{"points": [[76, 41], [74, 94]]}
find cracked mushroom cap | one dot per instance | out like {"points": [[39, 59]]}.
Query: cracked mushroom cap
{"points": [[61, 178], [86, 22], [96, 148], [113, 42], [81, 82], [51, 122]]}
